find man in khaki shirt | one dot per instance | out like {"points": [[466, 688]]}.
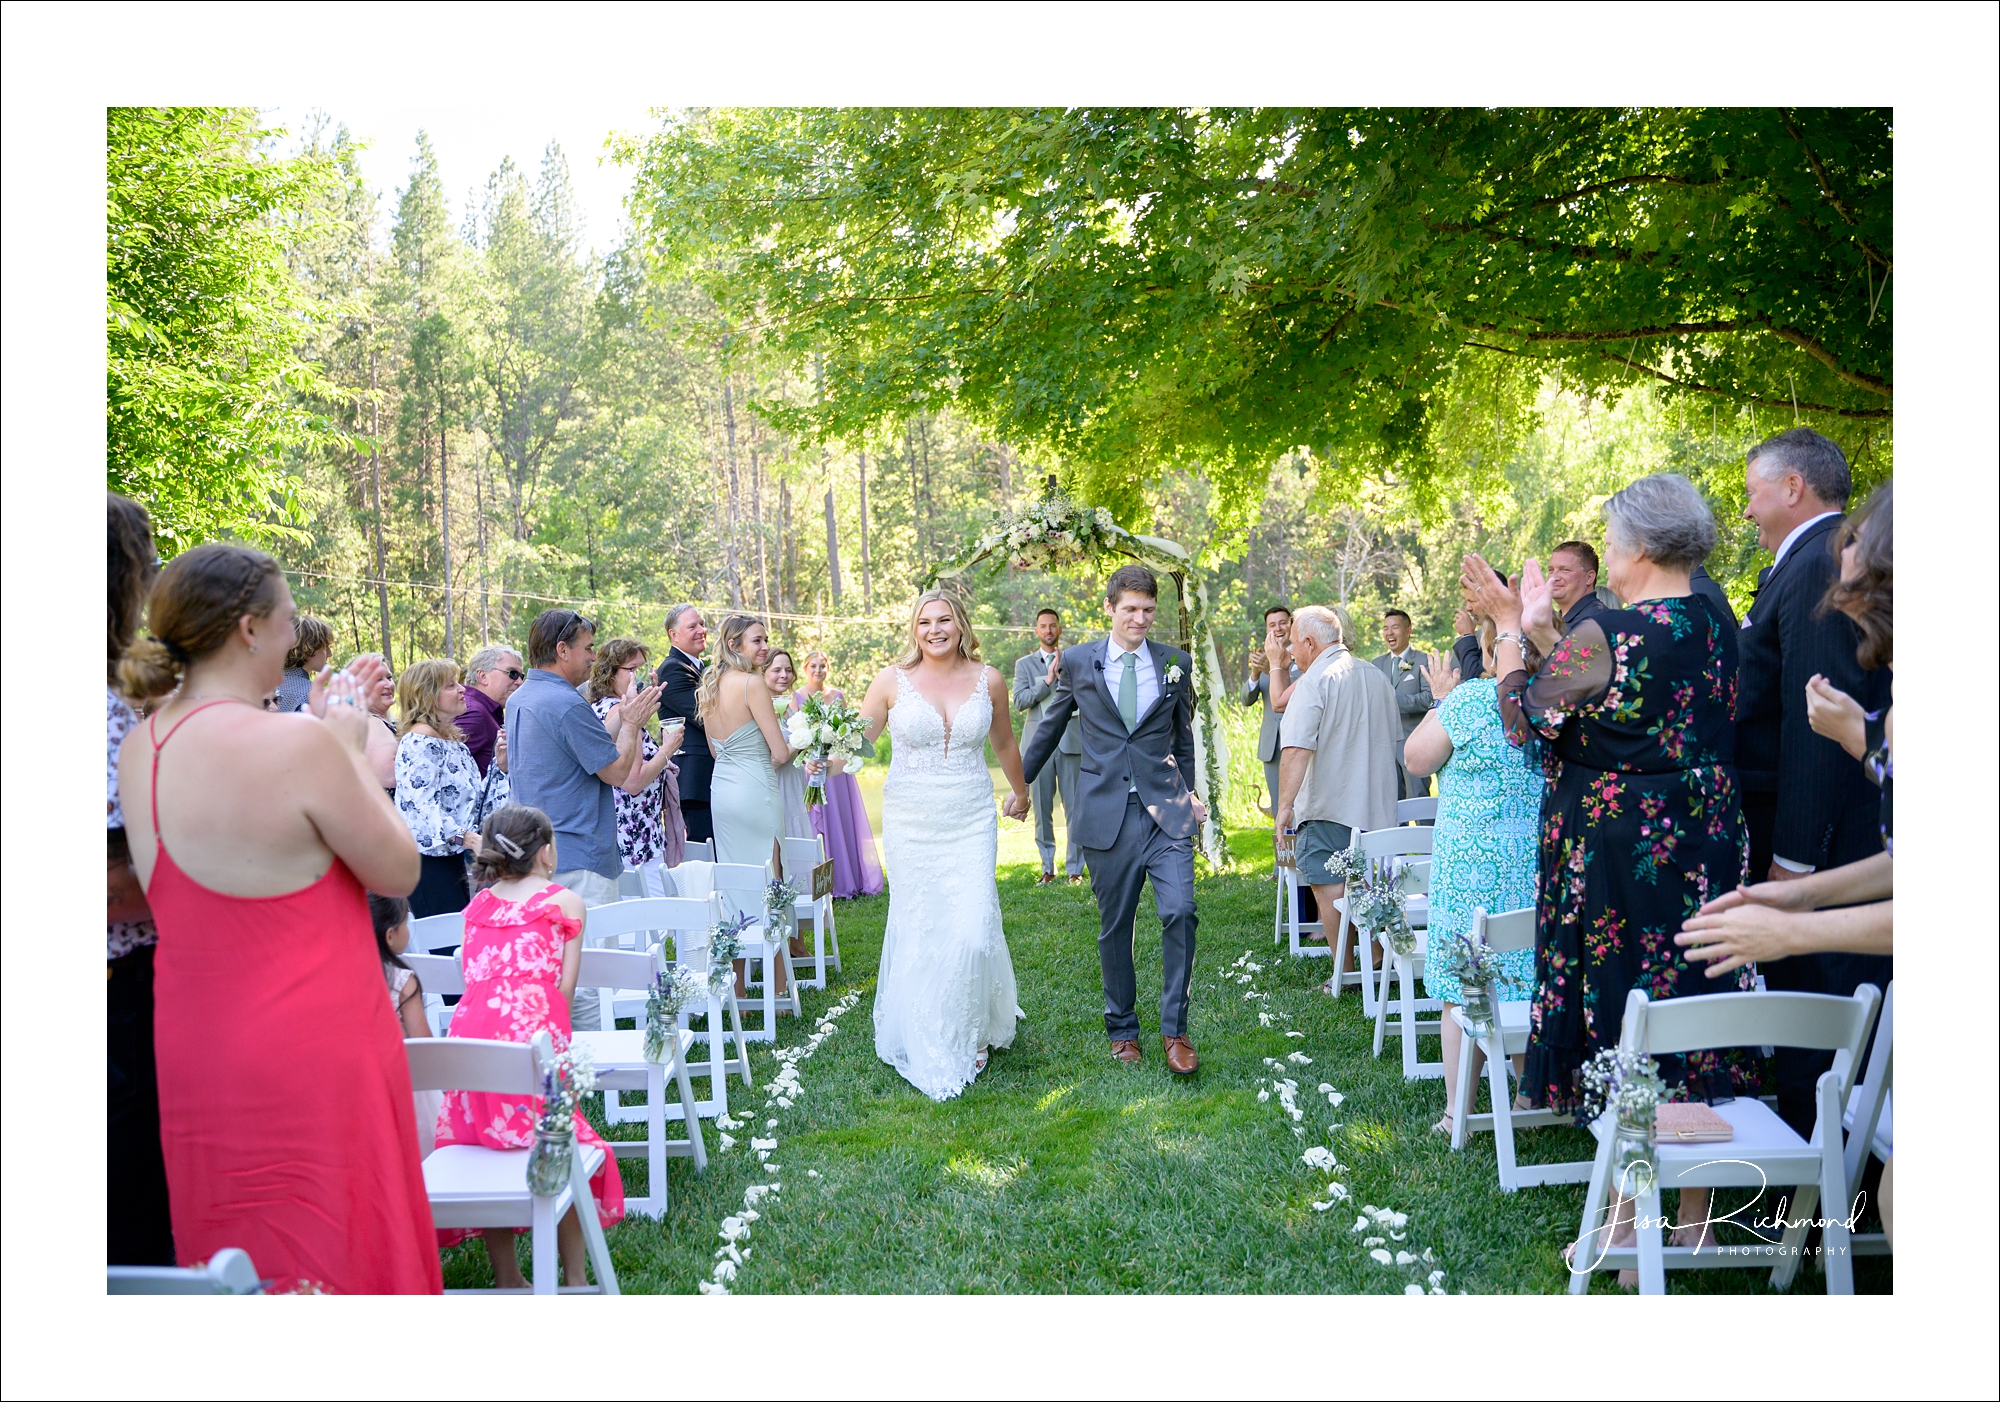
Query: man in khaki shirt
{"points": [[1337, 771]]}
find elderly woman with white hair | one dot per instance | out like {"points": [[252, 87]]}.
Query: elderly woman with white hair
{"points": [[1643, 820]]}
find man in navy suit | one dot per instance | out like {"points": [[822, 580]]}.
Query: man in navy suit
{"points": [[1807, 803]]}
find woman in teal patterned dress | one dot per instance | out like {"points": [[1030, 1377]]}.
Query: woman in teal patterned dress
{"points": [[1488, 823]]}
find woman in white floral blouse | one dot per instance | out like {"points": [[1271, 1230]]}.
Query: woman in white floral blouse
{"points": [[439, 790], [652, 836]]}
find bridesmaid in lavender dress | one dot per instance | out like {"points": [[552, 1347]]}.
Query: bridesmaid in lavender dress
{"points": [[843, 819], [779, 675]]}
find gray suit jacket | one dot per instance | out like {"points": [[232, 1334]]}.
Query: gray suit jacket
{"points": [[1267, 733], [1413, 688], [1031, 695], [1157, 757]]}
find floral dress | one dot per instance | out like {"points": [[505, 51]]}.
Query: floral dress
{"points": [[1489, 813], [1641, 824], [513, 955], [642, 816], [438, 788]]}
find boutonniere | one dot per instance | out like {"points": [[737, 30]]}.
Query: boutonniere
{"points": [[1174, 674], [1403, 666]]}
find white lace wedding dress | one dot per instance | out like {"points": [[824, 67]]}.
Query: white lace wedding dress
{"points": [[946, 989]]}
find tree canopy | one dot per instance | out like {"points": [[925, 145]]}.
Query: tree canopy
{"points": [[1135, 290]]}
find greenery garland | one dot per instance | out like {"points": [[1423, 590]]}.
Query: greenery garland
{"points": [[1057, 531]]}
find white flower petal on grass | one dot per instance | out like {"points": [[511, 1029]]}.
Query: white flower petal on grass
{"points": [[1360, 1225], [1399, 1236], [1322, 1207], [1319, 1156], [725, 1271], [708, 1287], [1381, 1257], [1295, 1034], [1374, 1241], [763, 1145], [812, 1173], [1337, 1192], [1263, 1095], [728, 1142], [734, 1229], [1299, 1058], [1436, 1276], [1404, 1258], [1263, 1019], [770, 1124], [1413, 1290]]}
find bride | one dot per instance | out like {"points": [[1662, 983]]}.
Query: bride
{"points": [[945, 995]]}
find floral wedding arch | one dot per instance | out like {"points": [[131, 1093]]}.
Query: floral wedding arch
{"points": [[1057, 531]]}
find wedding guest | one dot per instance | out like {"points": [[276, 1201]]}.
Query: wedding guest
{"points": [[842, 820], [303, 662], [1034, 683], [642, 802], [779, 674], [568, 761], [748, 745], [1808, 805], [493, 675], [1341, 738], [1573, 583], [285, 1112], [1642, 818], [138, 1226], [1488, 822], [523, 947], [1258, 687], [391, 918], [378, 699], [1702, 584], [439, 790], [679, 679], [1404, 666]]}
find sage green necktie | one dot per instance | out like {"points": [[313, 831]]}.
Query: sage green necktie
{"points": [[1128, 693]]}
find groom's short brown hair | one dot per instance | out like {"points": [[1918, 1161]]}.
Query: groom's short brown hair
{"points": [[1130, 579]]}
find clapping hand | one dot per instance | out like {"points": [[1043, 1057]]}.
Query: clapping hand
{"points": [[337, 701], [1742, 926], [1538, 603], [639, 706], [1441, 674], [1488, 594], [1055, 666], [1836, 715], [1259, 662], [500, 748]]}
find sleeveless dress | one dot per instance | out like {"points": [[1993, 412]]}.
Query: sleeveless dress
{"points": [[850, 841], [743, 798], [513, 956], [946, 985], [1488, 821], [286, 1118]]}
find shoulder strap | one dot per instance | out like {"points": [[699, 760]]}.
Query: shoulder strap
{"points": [[152, 736]]}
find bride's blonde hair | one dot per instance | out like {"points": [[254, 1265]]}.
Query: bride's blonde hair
{"points": [[968, 641], [729, 657]]}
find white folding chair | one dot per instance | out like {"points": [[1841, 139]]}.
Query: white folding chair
{"points": [[1416, 810], [1286, 921], [227, 1272], [802, 855], [1408, 968], [1380, 845], [1868, 1118], [703, 851], [634, 925], [439, 975], [1765, 1153], [1504, 933], [474, 1187], [741, 887], [691, 940], [620, 1058], [436, 932]]}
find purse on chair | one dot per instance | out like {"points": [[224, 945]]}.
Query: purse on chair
{"points": [[1690, 1123]]}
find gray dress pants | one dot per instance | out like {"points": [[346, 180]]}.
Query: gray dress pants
{"points": [[1058, 775]]}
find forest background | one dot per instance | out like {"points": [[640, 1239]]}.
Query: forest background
{"points": [[829, 344]]}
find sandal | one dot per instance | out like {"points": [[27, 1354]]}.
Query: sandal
{"points": [[1443, 1126]]}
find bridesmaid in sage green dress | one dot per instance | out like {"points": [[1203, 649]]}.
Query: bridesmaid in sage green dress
{"points": [[748, 745]]}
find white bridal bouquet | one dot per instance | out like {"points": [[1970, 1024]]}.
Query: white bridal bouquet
{"points": [[821, 729]]}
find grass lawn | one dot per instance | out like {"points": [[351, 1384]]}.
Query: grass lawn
{"points": [[1060, 1170]]}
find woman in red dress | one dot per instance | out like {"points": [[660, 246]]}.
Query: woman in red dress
{"points": [[285, 1113], [523, 946]]}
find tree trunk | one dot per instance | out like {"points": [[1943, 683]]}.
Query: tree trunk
{"points": [[375, 470], [444, 515], [832, 548], [788, 563], [735, 503], [930, 501], [757, 522], [485, 587], [867, 581], [916, 506]]}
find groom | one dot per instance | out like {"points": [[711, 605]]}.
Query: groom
{"points": [[1136, 812]]}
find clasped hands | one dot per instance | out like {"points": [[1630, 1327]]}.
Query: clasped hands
{"points": [[1016, 805]]}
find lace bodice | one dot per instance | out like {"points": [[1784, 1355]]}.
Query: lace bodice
{"points": [[921, 743]]}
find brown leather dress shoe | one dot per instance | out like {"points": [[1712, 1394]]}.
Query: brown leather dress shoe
{"points": [[1181, 1059], [1047, 878], [1126, 1051], [1076, 881]]}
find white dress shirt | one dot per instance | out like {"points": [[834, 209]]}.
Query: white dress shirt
{"points": [[1792, 539], [1114, 671]]}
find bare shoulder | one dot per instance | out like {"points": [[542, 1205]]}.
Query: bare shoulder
{"points": [[568, 902]]}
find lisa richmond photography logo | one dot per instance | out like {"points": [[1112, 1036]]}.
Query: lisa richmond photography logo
{"points": [[1763, 1225]]}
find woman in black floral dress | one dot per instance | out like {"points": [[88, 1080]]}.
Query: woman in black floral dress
{"points": [[1642, 821]]}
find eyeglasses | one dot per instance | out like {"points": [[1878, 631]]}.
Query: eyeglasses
{"points": [[516, 674], [577, 622]]}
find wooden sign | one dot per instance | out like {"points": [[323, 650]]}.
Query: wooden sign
{"points": [[822, 883]]}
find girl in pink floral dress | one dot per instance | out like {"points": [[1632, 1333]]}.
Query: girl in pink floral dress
{"points": [[521, 953]]}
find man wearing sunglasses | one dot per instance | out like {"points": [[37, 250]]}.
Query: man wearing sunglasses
{"points": [[490, 678]]}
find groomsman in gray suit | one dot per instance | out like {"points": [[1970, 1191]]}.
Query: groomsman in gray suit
{"points": [[1034, 681], [1404, 666], [1136, 810], [1262, 685]]}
